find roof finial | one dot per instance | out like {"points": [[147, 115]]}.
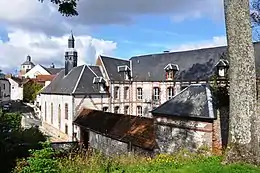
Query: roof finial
{"points": [[71, 35]]}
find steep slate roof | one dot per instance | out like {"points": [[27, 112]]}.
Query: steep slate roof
{"points": [[28, 63], [78, 80], [137, 130], [52, 71], [18, 80], [194, 101], [111, 65], [96, 70], [193, 65]]}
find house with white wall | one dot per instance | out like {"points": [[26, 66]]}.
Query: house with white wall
{"points": [[16, 88], [71, 90], [41, 70], [5, 91]]}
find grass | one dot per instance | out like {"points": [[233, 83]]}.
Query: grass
{"points": [[178, 163]]}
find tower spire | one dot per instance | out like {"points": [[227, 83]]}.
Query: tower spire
{"points": [[71, 41]]}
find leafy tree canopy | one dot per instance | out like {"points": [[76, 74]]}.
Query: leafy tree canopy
{"points": [[66, 7], [30, 90]]}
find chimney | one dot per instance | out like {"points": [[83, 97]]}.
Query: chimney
{"points": [[52, 65]]}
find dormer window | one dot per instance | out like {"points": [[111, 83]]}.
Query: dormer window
{"points": [[124, 69], [170, 71], [101, 83], [222, 68]]}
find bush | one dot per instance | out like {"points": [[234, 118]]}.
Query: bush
{"points": [[40, 161]]}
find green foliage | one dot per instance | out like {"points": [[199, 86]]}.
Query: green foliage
{"points": [[182, 162], [15, 141], [220, 93], [66, 7], [30, 91], [40, 161]]}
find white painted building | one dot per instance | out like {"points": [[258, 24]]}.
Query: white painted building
{"points": [[134, 86], [5, 91], [26, 66], [41, 70], [16, 88]]}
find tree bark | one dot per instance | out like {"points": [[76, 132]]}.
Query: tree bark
{"points": [[243, 118]]}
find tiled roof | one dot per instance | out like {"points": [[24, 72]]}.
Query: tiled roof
{"points": [[45, 77], [195, 101], [137, 130]]}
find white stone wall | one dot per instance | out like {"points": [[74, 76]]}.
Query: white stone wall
{"points": [[146, 103], [16, 90], [74, 105], [57, 100]]}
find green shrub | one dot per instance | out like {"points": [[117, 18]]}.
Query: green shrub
{"points": [[40, 161]]}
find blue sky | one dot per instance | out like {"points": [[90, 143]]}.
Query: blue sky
{"points": [[152, 34], [116, 28]]}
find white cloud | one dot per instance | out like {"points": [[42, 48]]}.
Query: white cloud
{"points": [[214, 42], [39, 30], [45, 50]]}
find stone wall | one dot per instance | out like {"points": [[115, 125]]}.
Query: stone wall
{"points": [[173, 135], [111, 147], [107, 145]]}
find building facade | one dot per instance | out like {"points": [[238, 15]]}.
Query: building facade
{"points": [[16, 88], [135, 86], [5, 91]]}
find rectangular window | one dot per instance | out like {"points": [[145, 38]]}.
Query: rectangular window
{"points": [[126, 92], [66, 111], [51, 113], [116, 110], [156, 93], [170, 92], [139, 111], [105, 109], [116, 92], [126, 110], [3, 86], [66, 128], [139, 93]]}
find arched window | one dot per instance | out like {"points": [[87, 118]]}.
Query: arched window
{"points": [[59, 115], [51, 113]]}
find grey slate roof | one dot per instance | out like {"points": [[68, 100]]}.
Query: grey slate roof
{"points": [[111, 65], [52, 71], [28, 63], [194, 101], [96, 70], [193, 65], [78, 81]]}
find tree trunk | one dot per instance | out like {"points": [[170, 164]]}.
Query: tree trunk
{"points": [[243, 120]]}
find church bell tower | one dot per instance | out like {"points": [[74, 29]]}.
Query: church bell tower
{"points": [[71, 55]]}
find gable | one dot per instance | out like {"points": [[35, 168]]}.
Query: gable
{"points": [[36, 70]]}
